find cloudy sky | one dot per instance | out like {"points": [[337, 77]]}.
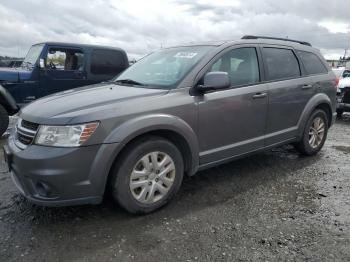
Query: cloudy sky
{"points": [[143, 26]]}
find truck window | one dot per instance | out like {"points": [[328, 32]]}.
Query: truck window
{"points": [[312, 63], [65, 59], [107, 62], [281, 63]]}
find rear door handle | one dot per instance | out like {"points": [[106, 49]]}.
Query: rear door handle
{"points": [[259, 95], [306, 86]]}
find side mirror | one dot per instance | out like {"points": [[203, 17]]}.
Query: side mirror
{"points": [[41, 63], [215, 81]]}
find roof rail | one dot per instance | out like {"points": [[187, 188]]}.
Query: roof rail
{"points": [[275, 38]]}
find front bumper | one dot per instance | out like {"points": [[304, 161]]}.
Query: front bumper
{"points": [[345, 107], [60, 176]]}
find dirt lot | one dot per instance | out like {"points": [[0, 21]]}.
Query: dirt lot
{"points": [[275, 206]]}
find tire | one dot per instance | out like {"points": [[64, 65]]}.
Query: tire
{"points": [[133, 162], [4, 120], [339, 113], [306, 147]]}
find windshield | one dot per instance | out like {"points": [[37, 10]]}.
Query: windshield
{"points": [[165, 68], [33, 55]]}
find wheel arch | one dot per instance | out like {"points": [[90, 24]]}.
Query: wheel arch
{"points": [[328, 110], [168, 127], [319, 101], [7, 101]]}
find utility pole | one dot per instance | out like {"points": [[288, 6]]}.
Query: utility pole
{"points": [[345, 53]]}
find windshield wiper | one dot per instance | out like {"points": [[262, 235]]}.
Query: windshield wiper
{"points": [[129, 81]]}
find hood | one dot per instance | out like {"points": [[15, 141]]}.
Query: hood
{"points": [[86, 102], [344, 82], [9, 74]]}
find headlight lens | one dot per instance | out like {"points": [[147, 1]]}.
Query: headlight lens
{"points": [[65, 136]]}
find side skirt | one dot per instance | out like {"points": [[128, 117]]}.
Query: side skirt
{"points": [[229, 159]]}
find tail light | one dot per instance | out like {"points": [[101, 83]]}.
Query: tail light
{"points": [[337, 82]]}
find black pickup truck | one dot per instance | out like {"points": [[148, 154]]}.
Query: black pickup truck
{"points": [[53, 67]]}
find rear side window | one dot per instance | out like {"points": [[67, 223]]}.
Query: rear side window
{"points": [[107, 62], [312, 63], [281, 63]]}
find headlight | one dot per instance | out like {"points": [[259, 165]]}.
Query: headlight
{"points": [[65, 136]]}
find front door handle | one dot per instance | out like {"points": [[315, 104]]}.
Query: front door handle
{"points": [[259, 95], [306, 86]]}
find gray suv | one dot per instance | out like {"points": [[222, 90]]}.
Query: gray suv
{"points": [[174, 112]]}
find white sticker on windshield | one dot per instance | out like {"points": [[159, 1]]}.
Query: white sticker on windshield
{"points": [[188, 55]]}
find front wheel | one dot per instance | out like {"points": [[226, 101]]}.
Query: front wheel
{"points": [[4, 120], [147, 175], [315, 134]]}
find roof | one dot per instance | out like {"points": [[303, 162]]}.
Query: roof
{"points": [[77, 45]]}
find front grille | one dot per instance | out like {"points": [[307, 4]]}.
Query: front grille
{"points": [[25, 133]]}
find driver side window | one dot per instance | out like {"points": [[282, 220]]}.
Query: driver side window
{"points": [[65, 59], [241, 64]]}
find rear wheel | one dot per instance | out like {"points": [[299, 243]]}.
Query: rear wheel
{"points": [[147, 175], [4, 120], [315, 133]]}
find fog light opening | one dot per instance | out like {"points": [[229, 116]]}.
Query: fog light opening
{"points": [[43, 189]]}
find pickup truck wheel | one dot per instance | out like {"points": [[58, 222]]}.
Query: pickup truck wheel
{"points": [[315, 134], [147, 175], [4, 120], [339, 113]]}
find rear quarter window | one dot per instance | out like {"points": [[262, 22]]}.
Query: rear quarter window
{"points": [[312, 63], [280, 63], [107, 62]]}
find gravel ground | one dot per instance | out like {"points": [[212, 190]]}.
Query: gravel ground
{"points": [[274, 206]]}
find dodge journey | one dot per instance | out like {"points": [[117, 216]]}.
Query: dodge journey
{"points": [[174, 112]]}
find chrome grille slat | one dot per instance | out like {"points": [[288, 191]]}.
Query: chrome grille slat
{"points": [[25, 132]]}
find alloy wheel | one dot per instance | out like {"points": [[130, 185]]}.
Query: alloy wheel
{"points": [[152, 177], [316, 132]]}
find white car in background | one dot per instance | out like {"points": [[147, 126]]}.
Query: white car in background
{"points": [[341, 72], [343, 90]]}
